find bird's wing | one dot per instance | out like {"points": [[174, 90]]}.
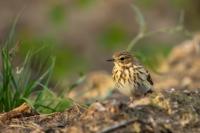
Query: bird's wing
{"points": [[144, 74], [149, 79], [144, 82]]}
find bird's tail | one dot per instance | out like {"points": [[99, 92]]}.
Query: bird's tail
{"points": [[150, 91]]}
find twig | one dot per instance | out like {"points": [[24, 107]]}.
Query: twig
{"points": [[118, 125], [142, 28], [15, 112]]}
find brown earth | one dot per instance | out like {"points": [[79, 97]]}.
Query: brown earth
{"points": [[174, 107]]}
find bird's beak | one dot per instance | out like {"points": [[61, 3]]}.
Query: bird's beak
{"points": [[110, 60]]}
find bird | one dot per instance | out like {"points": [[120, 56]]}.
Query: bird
{"points": [[131, 78]]}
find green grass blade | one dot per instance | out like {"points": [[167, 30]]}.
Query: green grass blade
{"points": [[36, 82]]}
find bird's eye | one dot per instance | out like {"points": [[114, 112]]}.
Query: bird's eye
{"points": [[122, 58]]}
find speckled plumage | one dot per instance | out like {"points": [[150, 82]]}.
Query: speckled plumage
{"points": [[130, 77]]}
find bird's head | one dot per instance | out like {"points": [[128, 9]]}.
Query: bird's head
{"points": [[122, 58]]}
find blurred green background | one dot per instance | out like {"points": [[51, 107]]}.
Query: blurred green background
{"points": [[82, 34]]}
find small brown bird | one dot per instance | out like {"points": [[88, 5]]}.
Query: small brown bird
{"points": [[130, 77]]}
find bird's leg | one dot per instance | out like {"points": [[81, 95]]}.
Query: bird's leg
{"points": [[131, 101]]}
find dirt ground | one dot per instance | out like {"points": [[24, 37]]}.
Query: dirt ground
{"points": [[174, 107]]}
